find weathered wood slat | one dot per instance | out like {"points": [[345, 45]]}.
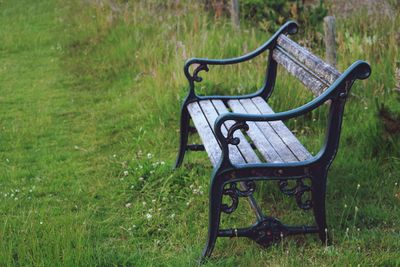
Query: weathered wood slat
{"points": [[258, 138], [284, 133], [317, 65], [211, 115], [274, 140], [244, 146], [310, 81], [270, 134], [207, 136]]}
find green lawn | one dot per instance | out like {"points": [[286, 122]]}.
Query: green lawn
{"points": [[89, 111]]}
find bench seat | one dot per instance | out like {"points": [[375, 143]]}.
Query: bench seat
{"points": [[273, 140]]}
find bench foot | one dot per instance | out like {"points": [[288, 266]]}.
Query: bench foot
{"points": [[214, 218], [184, 132], [318, 199]]}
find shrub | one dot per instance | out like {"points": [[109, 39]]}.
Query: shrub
{"points": [[270, 14]]}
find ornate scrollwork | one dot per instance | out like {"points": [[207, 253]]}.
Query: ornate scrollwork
{"points": [[268, 231], [196, 71], [231, 192], [297, 191], [248, 189], [234, 193], [238, 125]]}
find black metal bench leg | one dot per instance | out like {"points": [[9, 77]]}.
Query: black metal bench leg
{"points": [[214, 217], [184, 131], [318, 197]]}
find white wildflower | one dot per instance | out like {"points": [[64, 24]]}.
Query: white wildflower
{"points": [[128, 205], [149, 155], [126, 173], [149, 216], [141, 179]]}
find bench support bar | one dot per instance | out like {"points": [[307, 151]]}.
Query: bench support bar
{"points": [[195, 147], [268, 231]]}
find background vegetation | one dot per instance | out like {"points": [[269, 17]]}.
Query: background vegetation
{"points": [[89, 108]]}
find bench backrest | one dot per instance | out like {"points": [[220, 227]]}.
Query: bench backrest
{"points": [[313, 72]]}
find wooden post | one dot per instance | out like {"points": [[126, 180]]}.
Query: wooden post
{"points": [[330, 44], [235, 13]]}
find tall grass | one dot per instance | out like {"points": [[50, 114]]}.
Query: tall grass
{"points": [[90, 96]]}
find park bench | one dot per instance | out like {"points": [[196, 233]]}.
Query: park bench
{"points": [[247, 142]]}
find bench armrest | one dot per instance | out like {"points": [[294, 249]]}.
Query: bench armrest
{"points": [[337, 91], [289, 27]]}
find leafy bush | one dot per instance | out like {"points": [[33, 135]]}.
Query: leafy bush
{"points": [[270, 14]]}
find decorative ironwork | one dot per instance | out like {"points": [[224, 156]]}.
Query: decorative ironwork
{"points": [[297, 191], [234, 193], [199, 68], [268, 231], [248, 189], [231, 192], [238, 125]]}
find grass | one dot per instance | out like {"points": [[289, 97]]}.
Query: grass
{"points": [[89, 107]]}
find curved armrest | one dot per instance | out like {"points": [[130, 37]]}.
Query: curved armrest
{"points": [[358, 70], [289, 27]]}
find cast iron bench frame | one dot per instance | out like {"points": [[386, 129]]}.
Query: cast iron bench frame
{"points": [[324, 81]]}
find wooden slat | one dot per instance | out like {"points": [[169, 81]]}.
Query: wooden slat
{"points": [[317, 65], [310, 81], [280, 147], [207, 136], [244, 146], [285, 134], [258, 138], [211, 115]]}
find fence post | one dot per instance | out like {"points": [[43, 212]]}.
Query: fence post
{"points": [[235, 13], [330, 44]]}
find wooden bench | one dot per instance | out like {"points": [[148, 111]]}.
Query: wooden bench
{"points": [[246, 141]]}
